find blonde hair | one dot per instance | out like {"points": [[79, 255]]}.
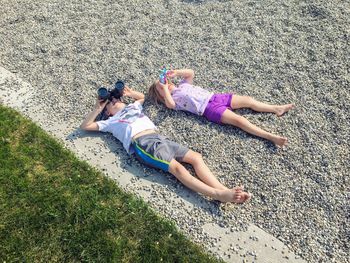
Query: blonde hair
{"points": [[154, 94]]}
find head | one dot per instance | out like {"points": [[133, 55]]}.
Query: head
{"points": [[154, 93]]}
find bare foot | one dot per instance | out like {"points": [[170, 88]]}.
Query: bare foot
{"points": [[235, 195], [280, 141], [240, 196], [225, 196], [282, 109]]}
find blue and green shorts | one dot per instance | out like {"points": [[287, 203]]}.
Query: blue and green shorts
{"points": [[157, 151]]}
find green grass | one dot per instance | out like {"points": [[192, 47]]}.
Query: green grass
{"points": [[56, 208]]}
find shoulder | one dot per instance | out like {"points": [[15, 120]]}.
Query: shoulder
{"points": [[183, 81], [135, 104], [103, 125]]}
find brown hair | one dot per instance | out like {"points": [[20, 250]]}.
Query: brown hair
{"points": [[154, 94]]}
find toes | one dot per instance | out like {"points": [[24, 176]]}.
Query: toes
{"points": [[283, 109], [281, 142], [284, 142], [237, 199], [248, 197], [242, 197]]}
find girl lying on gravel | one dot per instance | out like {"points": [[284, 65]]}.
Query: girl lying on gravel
{"points": [[138, 134], [215, 107]]}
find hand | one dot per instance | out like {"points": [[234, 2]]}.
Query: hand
{"points": [[100, 104], [164, 86], [171, 73], [127, 91]]}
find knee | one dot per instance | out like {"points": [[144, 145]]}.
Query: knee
{"points": [[238, 121], [248, 101], [176, 168], [197, 158]]}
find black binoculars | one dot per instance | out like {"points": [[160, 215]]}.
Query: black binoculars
{"points": [[108, 94]]}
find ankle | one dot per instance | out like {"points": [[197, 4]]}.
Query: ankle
{"points": [[276, 109], [217, 194]]}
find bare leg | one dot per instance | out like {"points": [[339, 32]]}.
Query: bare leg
{"points": [[239, 102], [202, 170], [234, 119], [235, 195]]}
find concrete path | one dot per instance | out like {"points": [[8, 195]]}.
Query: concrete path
{"points": [[252, 245]]}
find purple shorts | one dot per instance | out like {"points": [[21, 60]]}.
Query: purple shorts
{"points": [[217, 104]]}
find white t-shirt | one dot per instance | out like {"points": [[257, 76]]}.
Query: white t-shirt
{"points": [[126, 123]]}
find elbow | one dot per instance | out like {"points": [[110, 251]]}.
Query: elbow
{"points": [[171, 105], [142, 100], [83, 126], [191, 73]]}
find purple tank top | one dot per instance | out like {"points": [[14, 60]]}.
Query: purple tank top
{"points": [[190, 98]]}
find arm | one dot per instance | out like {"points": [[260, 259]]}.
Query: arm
{"points": [[89, 123], [186, 74], [137, 96], [168, 100]]}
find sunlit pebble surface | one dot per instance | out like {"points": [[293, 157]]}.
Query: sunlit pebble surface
{"points": [[275, 52]]}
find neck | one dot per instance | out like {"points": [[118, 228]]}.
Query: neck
{"points": [[118, 107]]}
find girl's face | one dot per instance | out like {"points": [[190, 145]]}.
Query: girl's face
{"points": [[114, 106], [160, 89]]}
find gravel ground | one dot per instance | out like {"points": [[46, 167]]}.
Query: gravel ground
{"points": [[277, 52]]}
